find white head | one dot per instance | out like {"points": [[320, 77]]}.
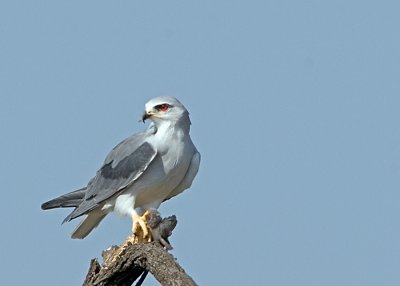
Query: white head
{"points": [[164, 108]]}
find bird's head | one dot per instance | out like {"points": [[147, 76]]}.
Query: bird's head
{"points": [[164, 108]]}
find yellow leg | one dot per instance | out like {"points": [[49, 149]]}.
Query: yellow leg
{"points": [[140, 232], [139, 225]]}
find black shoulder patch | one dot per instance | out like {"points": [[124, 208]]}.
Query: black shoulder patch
{"points": [[131, 164]]}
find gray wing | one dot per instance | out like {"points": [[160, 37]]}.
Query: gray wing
{"points": [[122, 167]]}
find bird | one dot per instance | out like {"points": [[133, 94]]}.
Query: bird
{"points": [[140, 173]]}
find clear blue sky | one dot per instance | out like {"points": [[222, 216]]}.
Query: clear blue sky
{"points": [[295, 109]]}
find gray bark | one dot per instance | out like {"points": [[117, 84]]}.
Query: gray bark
{"points": [[133, 261]]}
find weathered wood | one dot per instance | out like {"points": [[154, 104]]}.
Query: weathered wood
{"points": [[132, 262], [136, 257]]}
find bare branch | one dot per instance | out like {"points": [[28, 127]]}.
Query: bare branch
{"points": [[132, 262]]}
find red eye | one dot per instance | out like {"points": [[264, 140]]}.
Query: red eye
{"points": [[163, 107]]}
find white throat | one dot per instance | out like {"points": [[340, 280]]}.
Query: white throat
{"points": [[168, 131]]}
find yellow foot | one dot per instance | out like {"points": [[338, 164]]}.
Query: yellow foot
{"points": [[141, 233], [140, 230]]}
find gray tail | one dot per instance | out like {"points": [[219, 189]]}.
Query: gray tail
{"points": [[72, 199], [90, 222]]}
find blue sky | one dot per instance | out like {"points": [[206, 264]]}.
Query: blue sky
{"points": [[295, 110]]}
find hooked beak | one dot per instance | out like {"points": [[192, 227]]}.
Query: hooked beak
{"points": [[146, 116]]}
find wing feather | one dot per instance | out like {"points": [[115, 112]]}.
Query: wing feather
{"points": [[122, 167]]}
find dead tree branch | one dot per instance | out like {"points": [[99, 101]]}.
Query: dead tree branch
{"points": [[132, 263], [125, 264]]}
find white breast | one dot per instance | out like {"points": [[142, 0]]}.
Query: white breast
{"points": [[175, 151]]}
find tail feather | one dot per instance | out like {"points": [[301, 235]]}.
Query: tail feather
{"points": [[90, 222], [72, 199]]}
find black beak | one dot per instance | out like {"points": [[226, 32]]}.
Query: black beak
{"points": [[145, 116]]}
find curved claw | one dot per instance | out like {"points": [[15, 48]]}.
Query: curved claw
{"points": [[139, 226]]}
